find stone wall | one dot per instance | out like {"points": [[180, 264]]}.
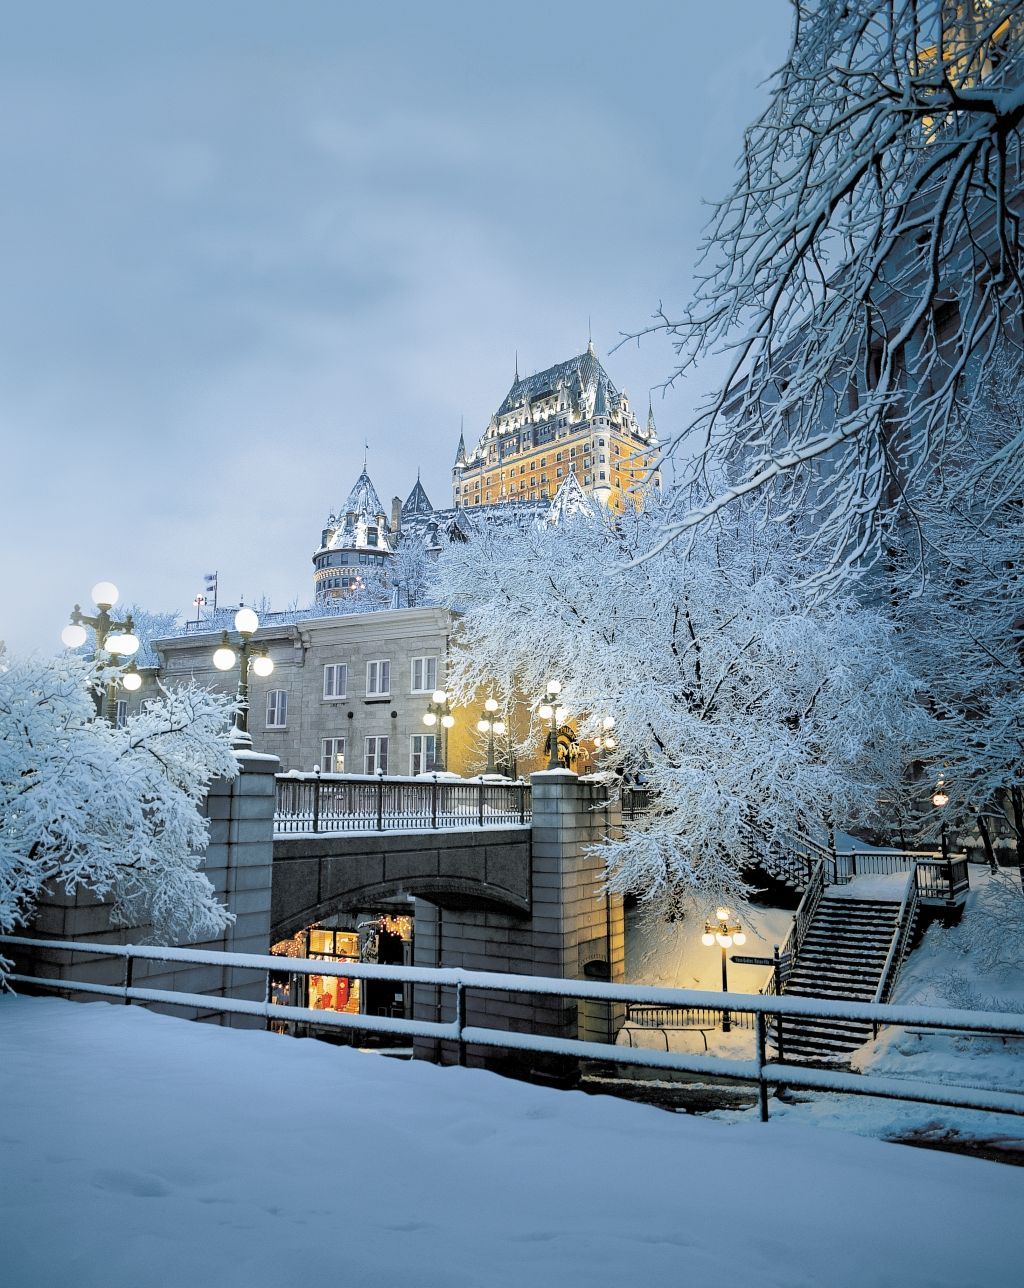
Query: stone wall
{"points": [[574, 931], [239, 864]]}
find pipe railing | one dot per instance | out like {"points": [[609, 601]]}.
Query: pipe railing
{"points": [[760, 1071]]}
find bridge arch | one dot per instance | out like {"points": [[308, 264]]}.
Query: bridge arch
{"points": [[314, 877]]}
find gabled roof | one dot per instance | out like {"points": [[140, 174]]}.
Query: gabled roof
{"points": [[584, 371], [417, 502]]}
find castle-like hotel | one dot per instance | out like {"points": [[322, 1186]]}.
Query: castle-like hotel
{"points": [[563, 433]]}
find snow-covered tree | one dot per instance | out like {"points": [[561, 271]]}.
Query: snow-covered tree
{"points": [[749, 712], [867, 268], [110, 809], [962, 629]]}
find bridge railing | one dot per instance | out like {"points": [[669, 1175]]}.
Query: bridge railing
{"points": [[357, 803], [457, 984]]}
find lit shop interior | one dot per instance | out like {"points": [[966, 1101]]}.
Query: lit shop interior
{"points": [[371, 936]]}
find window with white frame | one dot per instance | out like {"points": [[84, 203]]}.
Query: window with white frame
{"points": [[378, 679], [376, 759], [121, 714], [336, 680], [277, 708], [332, 759], [423, 753], [424, 674]]}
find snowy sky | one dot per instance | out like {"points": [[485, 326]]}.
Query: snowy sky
{"points": [[239, 239]]}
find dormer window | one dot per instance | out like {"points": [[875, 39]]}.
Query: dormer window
{"points": [[371, 536]]}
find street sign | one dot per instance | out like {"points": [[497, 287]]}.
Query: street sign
{"points": [[752, 961]]}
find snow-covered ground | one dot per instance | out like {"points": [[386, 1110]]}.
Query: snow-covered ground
{"points": [[142, 1151]]}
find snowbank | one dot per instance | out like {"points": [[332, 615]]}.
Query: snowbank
{"points": [[143, 1151]]}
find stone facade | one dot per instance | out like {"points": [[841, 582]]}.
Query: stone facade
{"points": [[568, 420], [239, 864], [574, 930], [346, 707]]}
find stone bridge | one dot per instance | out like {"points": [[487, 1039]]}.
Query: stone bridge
{"points": [[487, 869], [518, 898]]}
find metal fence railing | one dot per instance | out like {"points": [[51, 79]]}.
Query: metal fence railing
{"points": [[458, 984], [353, 803]]}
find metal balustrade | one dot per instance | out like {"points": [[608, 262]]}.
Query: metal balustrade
{"points": [[315, 803], [762, 1010]]}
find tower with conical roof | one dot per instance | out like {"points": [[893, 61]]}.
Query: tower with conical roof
{"points": [[355, 541], [566, 419]]}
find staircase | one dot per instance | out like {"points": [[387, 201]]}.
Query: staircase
{"points": [[843, 957]]}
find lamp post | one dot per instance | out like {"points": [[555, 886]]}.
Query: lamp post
{"points": [[490, 724], [113, 637], [724, 933], [225, 657], [940, 799], [550, 710], [439, 712], [606, 740]]}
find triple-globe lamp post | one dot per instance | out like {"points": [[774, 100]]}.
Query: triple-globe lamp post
{"points": [[491, 724], [725, 933], [439, 712], [118, 639], [225, 657], [605, 741], [551, 710]]}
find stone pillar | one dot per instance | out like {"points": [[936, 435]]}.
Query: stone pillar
{"points": [[239, 864], [574, 931]]}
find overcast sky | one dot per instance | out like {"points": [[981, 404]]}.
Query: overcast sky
{"points": [[240, 238]]}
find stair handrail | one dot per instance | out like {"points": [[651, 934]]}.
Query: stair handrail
{"points": [[802, 847], [802, 918], [900, 945]]}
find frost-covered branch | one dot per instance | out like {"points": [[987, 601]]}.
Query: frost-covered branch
{"points": [[114, 810], [865, 272]]}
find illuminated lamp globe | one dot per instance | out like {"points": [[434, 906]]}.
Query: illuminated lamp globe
{"points": [[482, 726], [939, 799], [246, 621], [439, 696], [722, 914], [430, 719], [263, 665], [739, 939], [73, 635], [707, 939], [610, 744], [609, 722], [545, 712], [124, 644], [725, 941], [554, 687], [499, 726], [224, 658], [447, 721], [104, 594], [131, 680], [490, 705]]}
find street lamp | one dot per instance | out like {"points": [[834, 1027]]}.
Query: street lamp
{"points": [[724, 933], [550, 710], [439, 711], [113, 637], [490, 724], [940, 799], [225, 657], [605, 741]]}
